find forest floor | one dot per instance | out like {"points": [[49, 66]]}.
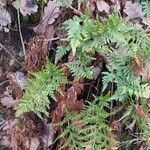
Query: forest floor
{"points": [[32, 34]]}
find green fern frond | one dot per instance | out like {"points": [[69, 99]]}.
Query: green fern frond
{"points": [[120, 73], [80, 71], [88, 128], [61, 51], [45, 82], [65, 3], [146, 7], [73, 26]]}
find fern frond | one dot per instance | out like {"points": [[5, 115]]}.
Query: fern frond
{"points": [[45, 82], [73, 26], [146, 7], [61, 51], [120, 73], [88, 128], [80, 71]]}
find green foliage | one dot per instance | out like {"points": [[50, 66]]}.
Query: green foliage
{"points": [[65, 3], [88, 37], [61, 51], [88, 128], [121, 74], [45, 82], [68, 3], [146, 7]]}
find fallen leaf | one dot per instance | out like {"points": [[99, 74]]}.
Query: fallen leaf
{"points": [[146, 21], [27, 7], [18, 77], [35, 142], [72, 104], [116, 125], [47, 138], [5, 18], [5, 141], [138, 64], [49, 33], [36, 53], [96, 71], [103, 6], [51, 12], [133, 10], [7, 100], [139, 110]]}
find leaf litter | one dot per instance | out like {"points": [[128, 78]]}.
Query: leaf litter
{"points": [[37, 52]]}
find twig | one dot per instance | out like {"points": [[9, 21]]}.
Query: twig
{"points": [[75, 11], [4, 82], [57, 38], [19, 26]]}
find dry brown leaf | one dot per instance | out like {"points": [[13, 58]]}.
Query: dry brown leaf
{"points": [[36, 53], [133, 10], [138, 64], [49, 34], [51, 12], [139, 67], [116, 125], [139, 110], [103, 6], [67, 102], [71, 100]]}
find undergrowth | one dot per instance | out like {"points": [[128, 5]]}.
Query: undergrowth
{"points": [[45, 82], [88, 129], [126, 47]]}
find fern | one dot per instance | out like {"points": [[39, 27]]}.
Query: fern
{"points": [[88, 128], [88, 37], [73, 26], [61, 51], [120, 73], [45, 82], [67, 3], [146, 7]]}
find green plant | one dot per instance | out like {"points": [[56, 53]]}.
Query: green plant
{"points": [[87, 129], [45, 82], [115, 35], [146, 7], [122, 43], [120, 73]]}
